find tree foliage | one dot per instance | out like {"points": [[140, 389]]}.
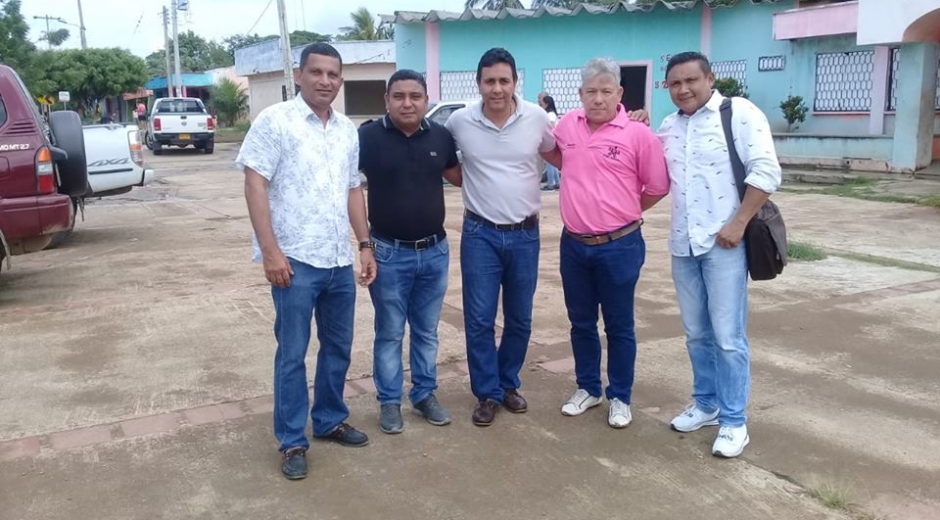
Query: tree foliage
{"points": [[88, 74], [196, 55], [363, 27], [237, 41], [15, 49], [55, 38], [730, 87], [229, 100]]}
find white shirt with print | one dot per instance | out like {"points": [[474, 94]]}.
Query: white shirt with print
{"points": [[310, 168], [704, 194]]}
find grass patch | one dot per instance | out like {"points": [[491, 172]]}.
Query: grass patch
{"points": [[804, 252], [233, 134], [866, 189], [833, 496], [886, 262], [932, 201]]}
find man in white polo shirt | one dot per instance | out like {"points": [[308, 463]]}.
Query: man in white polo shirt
{"points": [[500, 138]]}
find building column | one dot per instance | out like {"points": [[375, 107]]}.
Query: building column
{"points": [[432, 58], [879, 90], [705, 41], [917, 91]]}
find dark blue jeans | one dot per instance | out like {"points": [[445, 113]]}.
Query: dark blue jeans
{"points": [[490, 260], [329, 295], [409, 286], [602, 276]]}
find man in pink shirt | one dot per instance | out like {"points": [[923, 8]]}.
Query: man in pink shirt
{"points": [[614, 170]]}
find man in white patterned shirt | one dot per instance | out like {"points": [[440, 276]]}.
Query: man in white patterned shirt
{"points": [[301, 164], [709, 266]]}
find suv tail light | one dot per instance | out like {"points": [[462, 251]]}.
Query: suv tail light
{"points": [[210, 123], [45, 171], [156, 124], [137, 153]]}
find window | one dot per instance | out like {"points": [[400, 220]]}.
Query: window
{"points": [[844, 81], [364, 98], [771, 63], [894, 67], [562, 85], [180, 106], [3, 112], [460, 85], [731, 69], [440, 117]]}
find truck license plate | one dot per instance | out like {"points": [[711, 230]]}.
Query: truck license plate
{"points": [[184, 137]]}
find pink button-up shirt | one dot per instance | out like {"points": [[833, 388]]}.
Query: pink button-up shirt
{"points": [[605, 172]]}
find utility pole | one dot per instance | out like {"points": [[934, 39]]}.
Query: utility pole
{"points": [[81, 25], [286, 53], [46, 17], [176, 50], [166, 51]]}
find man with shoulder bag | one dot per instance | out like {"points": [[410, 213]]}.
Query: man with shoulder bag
{"points": [[723, 168]]}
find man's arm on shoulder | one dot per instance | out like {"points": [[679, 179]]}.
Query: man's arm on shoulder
{"points": [[553, 155], [452, 171], [651, 165]]}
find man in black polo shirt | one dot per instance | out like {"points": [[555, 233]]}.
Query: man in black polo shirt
{"points": [[404, 156]]}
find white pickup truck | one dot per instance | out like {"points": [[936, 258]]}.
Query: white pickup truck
{"points": [[115, 165], [180, 122]]}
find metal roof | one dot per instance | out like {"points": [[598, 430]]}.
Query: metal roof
{"points": [[482, 14]]}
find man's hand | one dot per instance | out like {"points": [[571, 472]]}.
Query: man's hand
{"points": [[277, 269], [367, 266], [731, 234], [641, 116]]}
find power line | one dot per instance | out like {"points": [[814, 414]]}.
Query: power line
{"points": [[260, 17]]}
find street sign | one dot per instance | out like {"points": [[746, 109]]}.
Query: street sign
{"points": [[64, 96], [182, 5]]}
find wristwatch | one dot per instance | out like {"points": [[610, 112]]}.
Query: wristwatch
{"points": [[368, 244]]}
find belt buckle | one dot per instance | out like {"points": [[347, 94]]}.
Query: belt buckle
{"points": [[424, 243]]}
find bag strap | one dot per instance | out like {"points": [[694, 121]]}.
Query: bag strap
{"points": [[737, 166]]}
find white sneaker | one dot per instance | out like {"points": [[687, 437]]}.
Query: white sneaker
{"points": [[579, 403], [619, 415], [693, 419], [731, 441]]}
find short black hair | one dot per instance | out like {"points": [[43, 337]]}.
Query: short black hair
{"points": [[322, 49], [686, 57], [406, 75], [494, 56], [549, 104]]}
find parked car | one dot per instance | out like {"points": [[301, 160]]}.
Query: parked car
{"points": [[441, 111], [42, 169], [180, 122], [115, 159]]}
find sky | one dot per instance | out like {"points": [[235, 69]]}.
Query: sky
{"points": [[136, 24]]}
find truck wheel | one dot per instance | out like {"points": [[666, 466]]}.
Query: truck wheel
{"points": [[210, 147], [148, 140], [157, 148], [67, 134], [60, 236]]}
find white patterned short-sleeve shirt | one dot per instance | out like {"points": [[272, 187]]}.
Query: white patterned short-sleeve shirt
{"points": [[704, 193], [310, 168]]}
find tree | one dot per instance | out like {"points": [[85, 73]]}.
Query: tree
{"points": [[196, 55], [297, 38], [364, 27], [794, 111], [55, 38], [88, 74], [15, 48], [730, 87], [569, 4], [493, 4], [229, 101]]}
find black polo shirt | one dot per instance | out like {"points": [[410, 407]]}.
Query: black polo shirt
{"points": [[405, 175]]}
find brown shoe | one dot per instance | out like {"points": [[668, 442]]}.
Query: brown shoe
{"points": [[514, 402], [485, 412]]}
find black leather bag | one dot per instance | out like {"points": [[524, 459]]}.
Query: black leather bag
{"points": [[766, 234]]}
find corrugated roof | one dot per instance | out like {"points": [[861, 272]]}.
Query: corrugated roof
{"points": [[482, 14], [190, 79]]}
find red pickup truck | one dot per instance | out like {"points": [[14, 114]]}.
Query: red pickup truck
{"points": [[42, 170]]}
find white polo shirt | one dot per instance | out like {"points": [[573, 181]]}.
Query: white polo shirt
{"points": [[501, 174]]}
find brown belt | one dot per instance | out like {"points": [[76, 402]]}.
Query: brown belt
{"points": [[596, 240]]}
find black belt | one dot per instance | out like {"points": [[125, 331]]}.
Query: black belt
{"points": [[530, 222], [417, 245]]}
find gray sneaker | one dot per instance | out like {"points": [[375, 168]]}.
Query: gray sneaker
{"points": [[390, 418], [432, 410]]}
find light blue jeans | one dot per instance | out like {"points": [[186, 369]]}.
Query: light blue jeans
{"points": [[712, 294]]}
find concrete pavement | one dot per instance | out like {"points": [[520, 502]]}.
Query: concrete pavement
{"points": [[137, 381]]}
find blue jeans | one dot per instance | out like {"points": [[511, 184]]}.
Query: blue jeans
{"points": [[490, 260], [552, 175], [409, 286], [712, 293], [603, 276], [329, 295]]}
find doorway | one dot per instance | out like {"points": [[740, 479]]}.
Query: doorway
{"points": [[633, 81]]}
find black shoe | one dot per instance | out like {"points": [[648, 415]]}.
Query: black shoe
{"points": [[347, 436], [294, 463]]}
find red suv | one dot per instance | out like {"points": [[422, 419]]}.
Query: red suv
{"points": [[42, 170]]}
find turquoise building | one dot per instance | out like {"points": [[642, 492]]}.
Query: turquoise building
{"points": [[864, 85]]}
